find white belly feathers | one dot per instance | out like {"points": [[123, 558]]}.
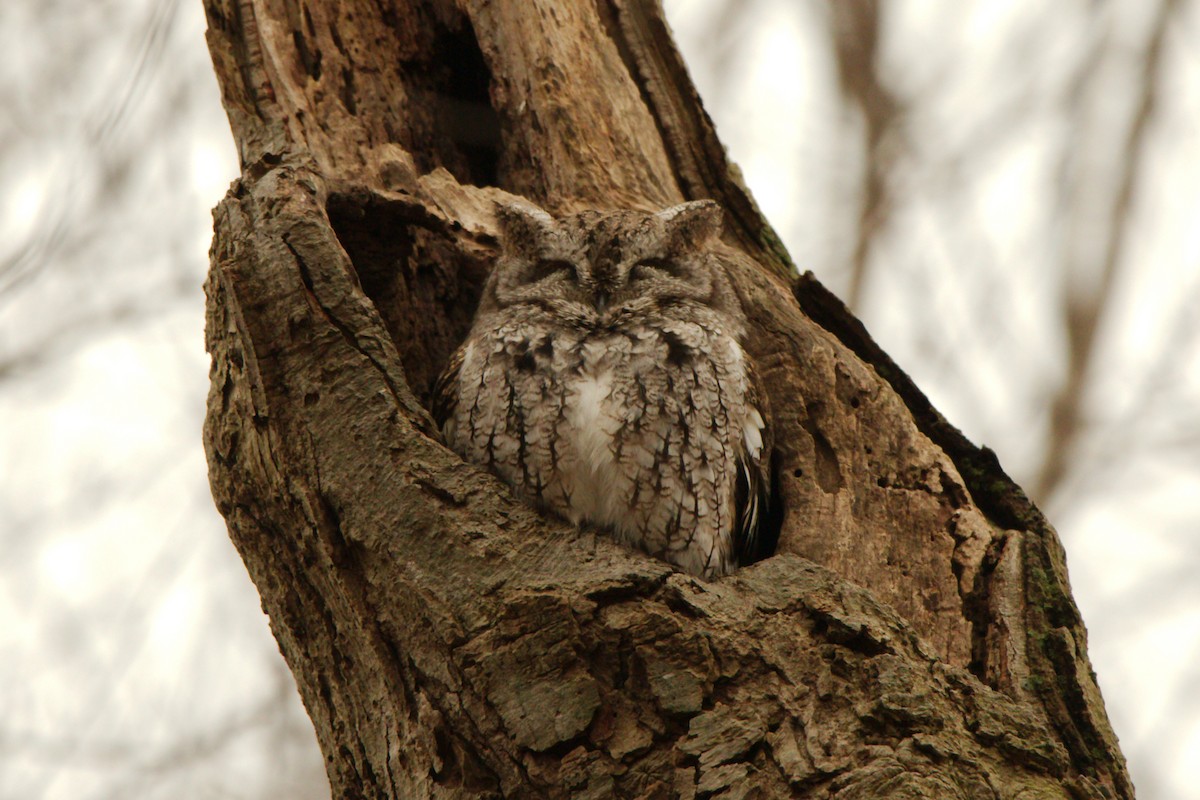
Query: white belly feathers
{"points": [[591, 431]]}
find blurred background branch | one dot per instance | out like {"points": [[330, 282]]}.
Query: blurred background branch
{"points": [[875, 115], [1098, 169], [1006, 193]]}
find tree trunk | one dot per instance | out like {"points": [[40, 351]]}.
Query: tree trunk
{"points": [[450, 642]]}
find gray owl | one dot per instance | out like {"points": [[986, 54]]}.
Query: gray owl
{"points": [[604, 379]]}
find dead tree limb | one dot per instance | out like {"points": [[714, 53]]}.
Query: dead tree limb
{"points": [[450, 642]]}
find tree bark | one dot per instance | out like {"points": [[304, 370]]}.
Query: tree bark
{"points": [[450, 642]]}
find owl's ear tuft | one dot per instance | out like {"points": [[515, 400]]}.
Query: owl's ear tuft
{"points": [[690, 225], [522, 224]]}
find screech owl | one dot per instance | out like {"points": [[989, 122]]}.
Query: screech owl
{"points": [[605, 380]]}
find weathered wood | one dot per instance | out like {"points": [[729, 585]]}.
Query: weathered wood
{"points": [[447, 640]]}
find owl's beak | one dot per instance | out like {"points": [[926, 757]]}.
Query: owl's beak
{"points": [[601, 301]]}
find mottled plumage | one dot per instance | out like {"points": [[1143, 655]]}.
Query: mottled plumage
{"points": [[605, 380]]}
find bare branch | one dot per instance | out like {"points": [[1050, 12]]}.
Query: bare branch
{"points": [[1084, 307], [856, 31]]}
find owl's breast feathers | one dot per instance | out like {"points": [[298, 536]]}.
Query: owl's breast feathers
{"points": [[652, 432]]}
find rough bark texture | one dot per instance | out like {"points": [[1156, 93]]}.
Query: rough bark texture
{"points": [[448, 641]]}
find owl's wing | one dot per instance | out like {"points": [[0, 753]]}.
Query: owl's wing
{"points": [[752, 492], [752, 498], [445, 392]]}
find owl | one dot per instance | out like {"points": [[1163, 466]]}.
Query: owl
{"points": [[604, 379]]}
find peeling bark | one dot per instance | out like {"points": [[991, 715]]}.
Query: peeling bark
{"points": [[449, 642]]}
